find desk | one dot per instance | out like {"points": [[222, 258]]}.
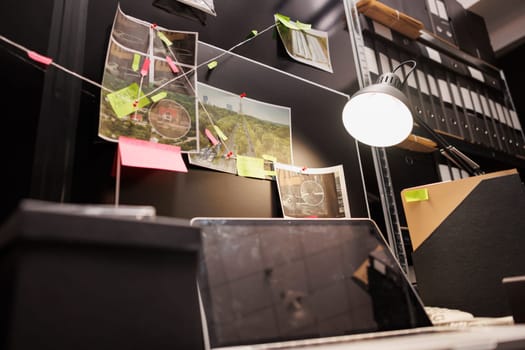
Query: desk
{"points": [[431, 338]]}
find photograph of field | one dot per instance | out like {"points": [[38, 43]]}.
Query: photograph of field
{"points": [[168, 111], [252, 128]]}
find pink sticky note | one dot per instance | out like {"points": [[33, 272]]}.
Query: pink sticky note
{"points": [[210, 136], [39, 58], [145, 67], [145, 154], [172, 65]]}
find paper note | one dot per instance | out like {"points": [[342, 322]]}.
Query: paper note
{"points": [[136, 62], [253, 33], [416, 195], [285, 20], [212, 64], [164, 38], [251, 167], [122, 100], [145, 154], [159, 96], [433, 54], [210, 136], [39, 58], [172, 65], [220, 133]]}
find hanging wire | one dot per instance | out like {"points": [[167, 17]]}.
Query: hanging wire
{"points": [[413, 62]]}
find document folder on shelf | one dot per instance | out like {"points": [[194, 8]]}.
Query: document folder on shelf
{"points": [[467, 235]]}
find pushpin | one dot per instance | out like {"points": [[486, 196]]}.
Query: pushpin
{"points": [[153, 25], [229, 154], [243, 94]]}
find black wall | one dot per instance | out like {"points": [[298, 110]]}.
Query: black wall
{"points": [[64, 160]]}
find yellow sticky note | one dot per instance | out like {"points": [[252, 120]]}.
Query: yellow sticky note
{"points": [[252, 33], [136, 62], [416, 195], [212, 64], [159, 96], [250, 167], [122, 101], [164, 38], [282, 18], [302, 26], [285, 20], [220, 133]]}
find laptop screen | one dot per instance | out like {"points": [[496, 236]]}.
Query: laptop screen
{"points": [[265, 280]]}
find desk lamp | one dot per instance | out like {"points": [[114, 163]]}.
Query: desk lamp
{"points": [[379, 115]]}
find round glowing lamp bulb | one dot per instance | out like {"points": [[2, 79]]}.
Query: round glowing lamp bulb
{"points": [[378, 115]]}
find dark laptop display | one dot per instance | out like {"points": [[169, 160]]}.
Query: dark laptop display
{"points": [[265, 280]]}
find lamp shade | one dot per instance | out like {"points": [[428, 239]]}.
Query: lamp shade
{"points": [[379, 115]]}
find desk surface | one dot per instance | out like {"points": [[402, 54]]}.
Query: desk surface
{"points": [[431, 338]]}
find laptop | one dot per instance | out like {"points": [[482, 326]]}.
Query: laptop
{"points": [[265, 281], [515, 290]]}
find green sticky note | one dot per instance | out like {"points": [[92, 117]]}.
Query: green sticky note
{"points": [[285, 20], [136, 62], [282, 18], [302, 26], [250, 167], [164, 38], [159, 96], [212, 64], [220, 133], [416, 195], [122, 100], [252, 34]]}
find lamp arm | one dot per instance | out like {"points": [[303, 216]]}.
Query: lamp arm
{"points": [[451, 152]]}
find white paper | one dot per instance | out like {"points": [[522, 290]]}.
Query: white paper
{"points": [[385, 63], [433, 86], [466, 98], [476, 74], [442, 10], [475, 99], [515, 120], [423, 86], [382, 30], [445, 94], [312, 192], [455, 95], [433, 54], [203, 5], [371, 61], [444, 172]]}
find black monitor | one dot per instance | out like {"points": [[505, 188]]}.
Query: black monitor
{"points": [[77, 277]]}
